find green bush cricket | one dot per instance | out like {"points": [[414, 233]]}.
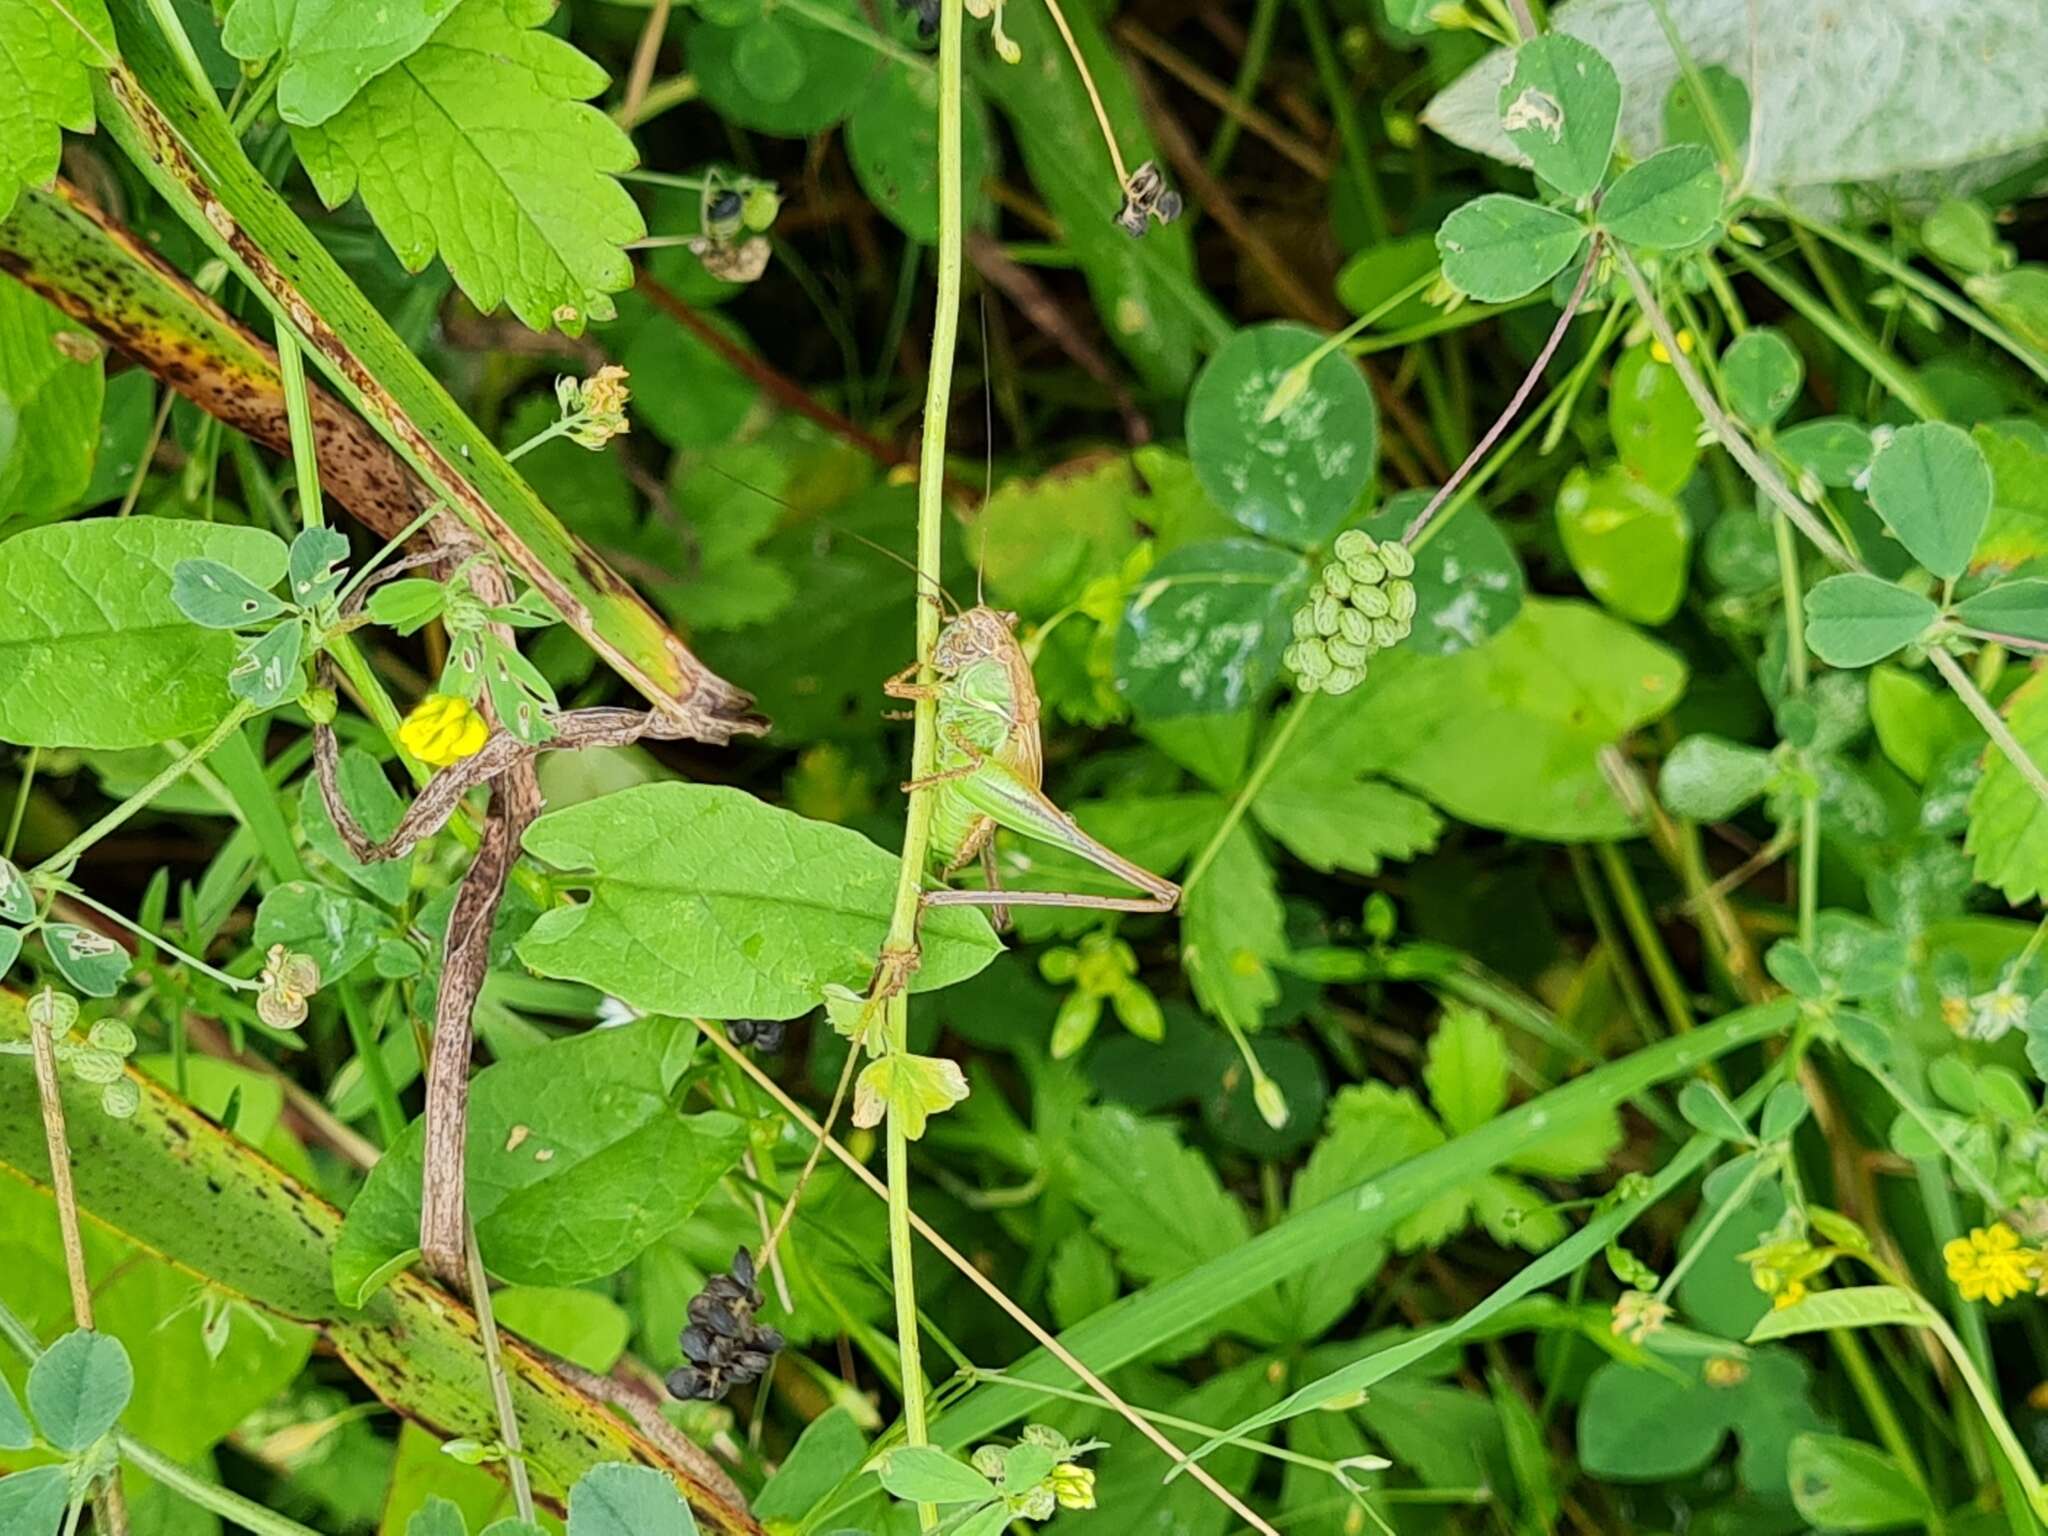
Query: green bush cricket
{"points": [[991, 767]]}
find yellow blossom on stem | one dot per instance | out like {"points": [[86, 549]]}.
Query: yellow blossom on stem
{"points": [[1790, 1294], [443, 729], [1073, 1485], [1990, 1265]]}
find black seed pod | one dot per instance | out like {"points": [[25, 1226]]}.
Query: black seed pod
{"points": [[724, 1346]]}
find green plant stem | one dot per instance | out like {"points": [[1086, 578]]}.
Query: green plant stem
{"points": [[232, 983], [60, 862], [383, 1095], [291, 364], [1801, 670], [1870, 1392], [1943, 298], [1994, 1414], [1635, 916], [1760, 1169], [917, 831], [494, 1366], [28, 778], [1248, 791], [1258, 47], [1357, 153]]}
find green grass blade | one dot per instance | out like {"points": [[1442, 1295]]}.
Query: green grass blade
{"points": [[1167, 1310]]}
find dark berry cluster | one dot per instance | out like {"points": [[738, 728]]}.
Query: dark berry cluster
{"points": [[723, 1344], [764, 1035]]}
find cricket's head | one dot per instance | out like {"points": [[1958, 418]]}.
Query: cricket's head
{"points": [[975, 635]]}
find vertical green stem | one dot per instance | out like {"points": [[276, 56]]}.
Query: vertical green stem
{"points": [[1884, 1419], [291, 363], [1635, 916], [1357, 153], [1797, 664], [1258, 47], [917, 831], [28, 778]]}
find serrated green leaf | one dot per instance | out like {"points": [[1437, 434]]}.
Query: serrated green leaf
{"points": [[577, 1161], [1294, 477], [910, 1088], [1932, 486], [52, 380], [621, 1500], [500, 169], [96, 653], [1560, 107], [1496, 248], [1762, 374], [1855, 620], [48, 53], [79, 1387], [1232, 928], [1330, 820], [1667, 202], [1509, 734], [1466, 1069], [705, 901], [331, 48], [2008, 832], [1707, 778]]}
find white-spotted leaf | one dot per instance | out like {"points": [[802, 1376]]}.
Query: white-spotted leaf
{"points": [[1560, 107]]}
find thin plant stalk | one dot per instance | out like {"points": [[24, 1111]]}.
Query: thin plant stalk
{"points": [[494, 1364], [1515, 403], [899, 948]]}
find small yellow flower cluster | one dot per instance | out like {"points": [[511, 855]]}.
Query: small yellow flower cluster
{"points": [[594, 409], [1662, 353], [1637, 1315], [1992, 1265], [442, 729]]}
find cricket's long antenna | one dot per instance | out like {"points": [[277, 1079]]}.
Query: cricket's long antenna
{"points": [[837, 527], [988, 449]]}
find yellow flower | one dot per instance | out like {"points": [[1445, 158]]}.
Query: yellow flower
{"points": [[1663, 354], [1073, 1485], [443, 729], [1989, 1264], [1790, 1294]]}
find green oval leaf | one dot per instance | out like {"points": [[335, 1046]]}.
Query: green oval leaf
{"points": [[928, 1475], [620, 1500], [1656, 426], [1671, 200], [79, 1387], [1498, 248], [1204, 633], [1762, 374], [1296, 476], [577, 1161], [892, 139], [94, 649], [768, 59], [1932, 486], [35, 1499], [1561, 106], [838, 69], [1840, 1484], [2016, 608], [1835, 450], [1707, 778], [217, 596], [1857, 620], [1629, 542], [706, 901], [89, 960]]}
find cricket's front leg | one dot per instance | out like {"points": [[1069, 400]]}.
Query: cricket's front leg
{"points": [[902, 686], [975, 758]]}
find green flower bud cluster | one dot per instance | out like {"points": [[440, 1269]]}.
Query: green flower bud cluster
{"points": [[1362, 602]]}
